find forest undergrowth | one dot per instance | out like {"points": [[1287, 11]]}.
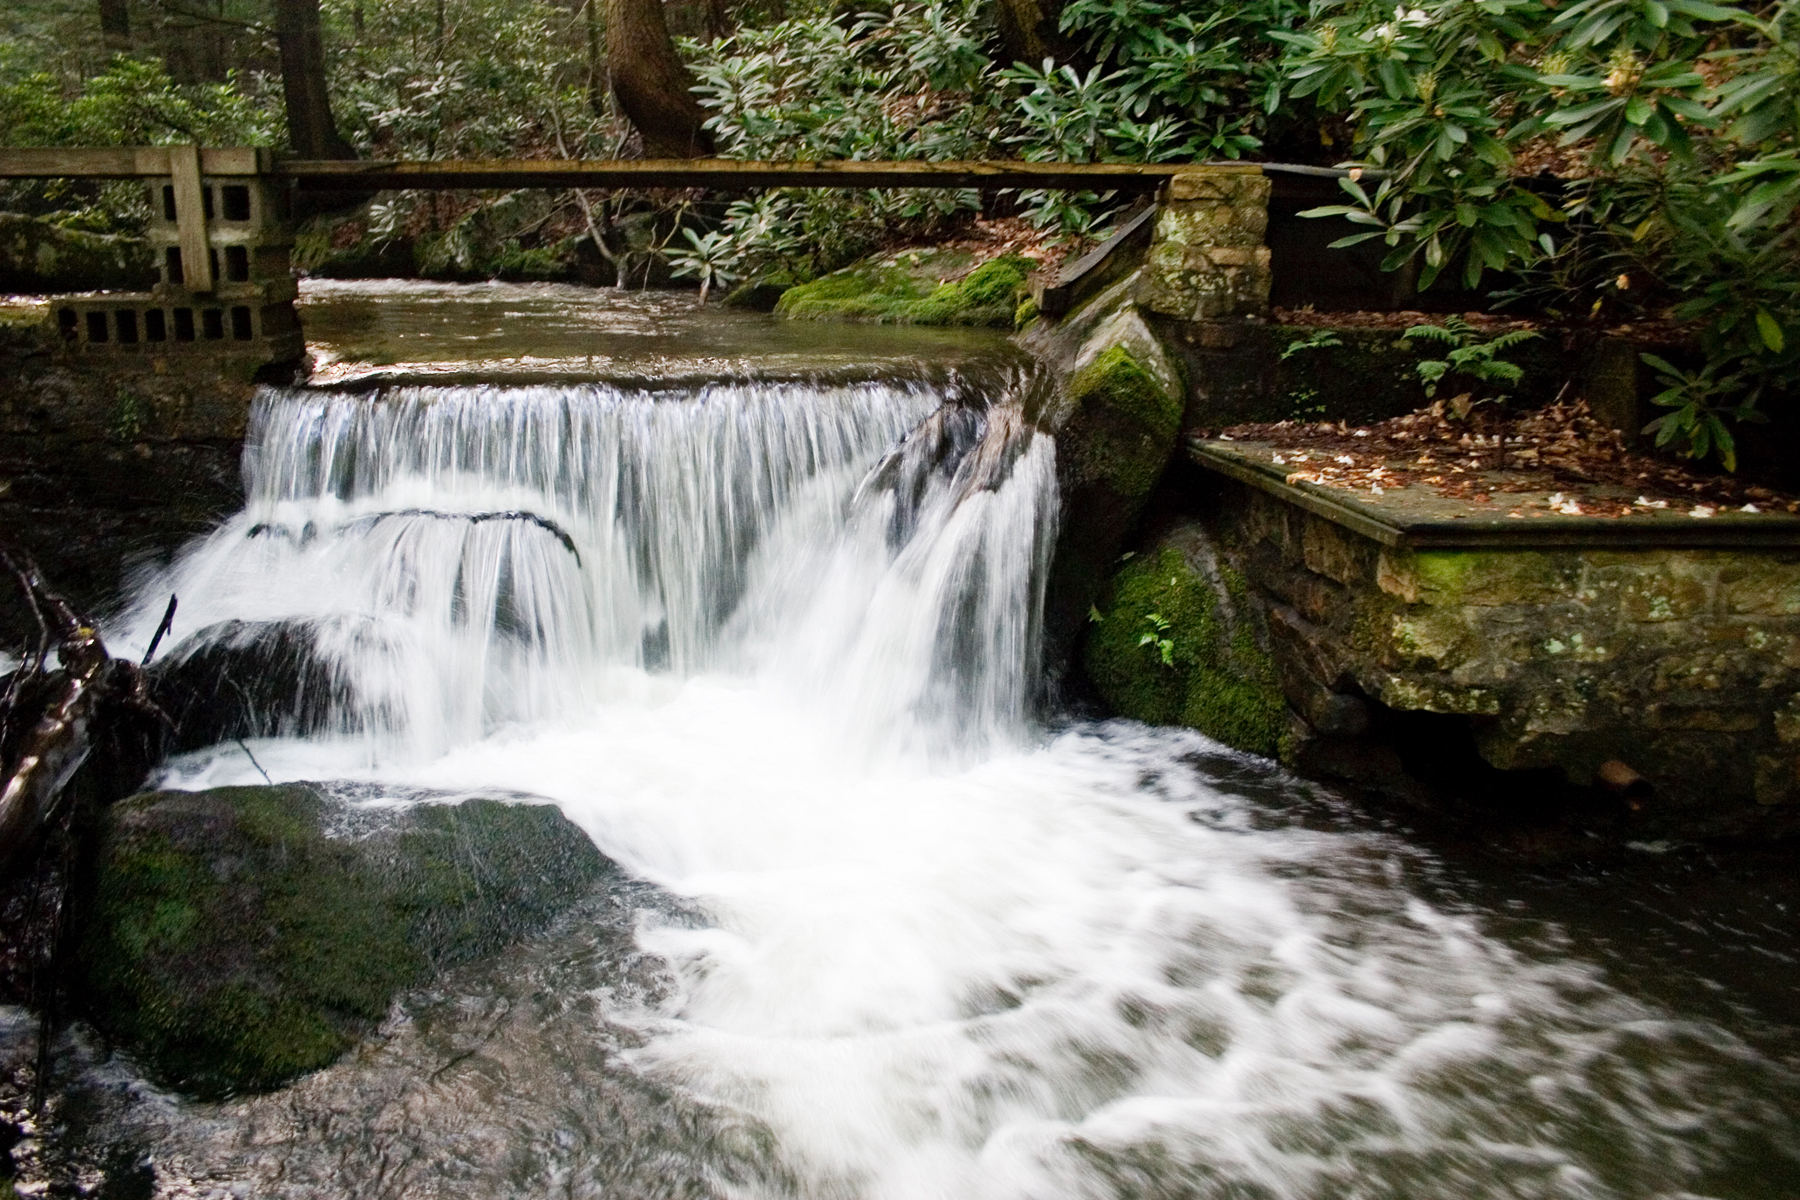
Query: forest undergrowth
{"points": [[1601, 161]]}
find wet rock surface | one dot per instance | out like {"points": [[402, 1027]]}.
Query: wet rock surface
{"points": [[241, 937], [1179, 641], [245, 679], [512, 1075], [1115, 418]]}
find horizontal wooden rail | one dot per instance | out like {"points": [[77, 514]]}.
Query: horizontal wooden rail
{"points": [[133, 162], [726, 174], [127, 162]]}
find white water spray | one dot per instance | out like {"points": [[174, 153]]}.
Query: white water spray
{"points": [[469, 560], [774, 648]]}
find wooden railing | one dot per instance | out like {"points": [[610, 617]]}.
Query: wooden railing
{"points": [[136, 162]]}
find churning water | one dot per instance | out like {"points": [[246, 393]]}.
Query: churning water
{"points": [[896, 937]]}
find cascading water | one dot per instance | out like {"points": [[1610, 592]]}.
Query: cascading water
{"points": [[467, 560], [773, 647]]}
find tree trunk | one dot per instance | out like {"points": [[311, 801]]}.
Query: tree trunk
{"points": [[651, 83], [1028, 30], [311, 131], [718, 19], [115, 25], [596, 83]]}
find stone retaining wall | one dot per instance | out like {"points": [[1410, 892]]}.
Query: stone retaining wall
{"points": [[106, 464], [1682, 663]]}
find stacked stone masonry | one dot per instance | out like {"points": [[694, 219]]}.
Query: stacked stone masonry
{"points": [[1684, 664], [1207, 260]]}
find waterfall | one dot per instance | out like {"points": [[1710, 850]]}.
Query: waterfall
{"points": [[462, 560], [773, 646]]}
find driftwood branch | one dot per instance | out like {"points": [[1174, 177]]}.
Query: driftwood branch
{"points": [[53, 718]]}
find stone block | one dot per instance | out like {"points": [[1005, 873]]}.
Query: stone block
{"points": [[1703, 671], [1218, 335], [1763, 587], [1203, 225], [1777, 780], [1787, 721], [1428, 639], [1666, 591], [1560, 710], [1490, 578], [1576, 645], [1224, 185], [1206, 258], [1321, 600], [1722, 719], [1165, 284], [1333, 552], [1426, 694], [1395, 575]]}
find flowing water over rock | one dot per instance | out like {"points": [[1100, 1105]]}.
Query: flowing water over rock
{"points": [[893, 931]]}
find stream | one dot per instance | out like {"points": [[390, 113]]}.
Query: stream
{"points": [[758, 607]]}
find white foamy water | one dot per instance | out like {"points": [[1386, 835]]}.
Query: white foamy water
{"points": [[774, 648]]}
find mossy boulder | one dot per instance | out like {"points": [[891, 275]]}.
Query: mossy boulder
{"points": [[1124, 424], [241, 937], [915, 289], [1116, 418], [1172, 645]]}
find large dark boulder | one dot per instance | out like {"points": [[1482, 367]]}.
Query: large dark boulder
{"points": [[247, 679], [241, 937]]}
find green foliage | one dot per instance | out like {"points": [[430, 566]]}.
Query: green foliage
{"points": [[494, 79], [1318, 339], [133, 102], [703, 257], [1684, 116], [1700, 401], [1192, 81], [1158, 637], [1471, 361], [913, 83]]}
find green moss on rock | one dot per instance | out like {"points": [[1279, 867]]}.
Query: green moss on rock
{"points": [[890, 294], [1125, 423], [237, 941], [1170, 649]]}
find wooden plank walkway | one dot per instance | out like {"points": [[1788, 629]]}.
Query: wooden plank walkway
{"points": [[133, 162]]}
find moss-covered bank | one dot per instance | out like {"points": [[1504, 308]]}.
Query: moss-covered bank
{"points": [[241, 937], [1169, 646], [909, 290], [39, 254]]}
